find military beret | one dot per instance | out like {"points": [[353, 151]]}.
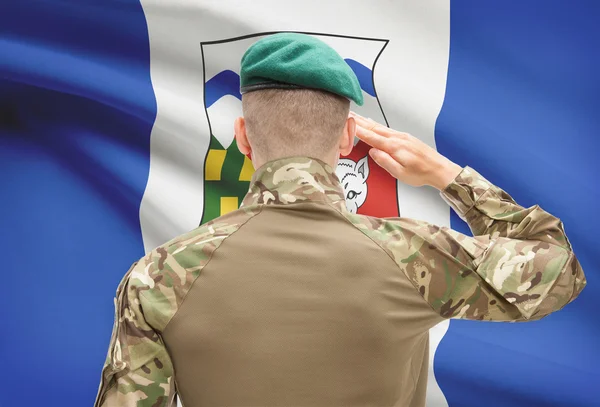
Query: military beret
{"points": [[296, 61]]}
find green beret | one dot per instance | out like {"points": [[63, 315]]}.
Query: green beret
{"points": [[295, 61]]}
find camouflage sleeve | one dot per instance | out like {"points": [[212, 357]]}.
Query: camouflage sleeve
{"points": [[138, 370], [518, 266]]}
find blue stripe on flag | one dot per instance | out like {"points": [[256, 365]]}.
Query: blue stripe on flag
{"points": [[76, 111], [522, 107]]}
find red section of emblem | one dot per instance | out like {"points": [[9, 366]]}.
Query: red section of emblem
{"points": [[382, 197]]}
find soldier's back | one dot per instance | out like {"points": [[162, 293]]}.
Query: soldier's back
{"points": [[299, 306]]}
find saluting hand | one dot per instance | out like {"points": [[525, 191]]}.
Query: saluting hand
{"points": [[405, 157]]}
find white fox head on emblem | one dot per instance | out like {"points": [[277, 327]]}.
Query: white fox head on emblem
{"points": [[353, 177]]}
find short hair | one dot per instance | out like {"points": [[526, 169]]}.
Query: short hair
{"points": [[292, 122]]}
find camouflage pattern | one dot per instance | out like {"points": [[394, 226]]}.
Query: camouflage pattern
{"points": [[530, 258], [518, 266], [295, 179], [138, 370]]}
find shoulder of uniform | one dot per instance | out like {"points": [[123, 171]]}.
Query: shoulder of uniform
{"points": [[403, 239], [162, 278], [387, 233], [405, 236], [384, 230], [220, 227]]}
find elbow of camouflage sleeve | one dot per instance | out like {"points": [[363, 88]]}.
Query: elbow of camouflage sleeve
{"points": [[536, 277], [566, 288], [562, 290], [579, 280]]}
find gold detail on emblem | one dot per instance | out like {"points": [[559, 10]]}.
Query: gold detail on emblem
{"points": [[214, 164], [228, 204], [247, 170]]}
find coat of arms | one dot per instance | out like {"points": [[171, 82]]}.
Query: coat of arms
{"points": [[369, 189]]}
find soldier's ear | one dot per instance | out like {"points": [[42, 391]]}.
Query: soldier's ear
{"points": [[347, 139], [241, 137]]}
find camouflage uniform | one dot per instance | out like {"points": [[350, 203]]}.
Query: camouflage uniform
{"points": [[279, 328]]}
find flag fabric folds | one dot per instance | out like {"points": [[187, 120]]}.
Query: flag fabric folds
{"points": [[116, 135]]}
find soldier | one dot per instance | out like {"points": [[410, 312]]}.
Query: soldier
{"points": [[292, 300]]}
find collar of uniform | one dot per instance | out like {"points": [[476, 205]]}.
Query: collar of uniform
{"points": [[294, 179]]}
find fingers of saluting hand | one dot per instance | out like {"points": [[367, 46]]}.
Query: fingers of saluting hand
{"points": [[381, 129], [374, 134], [373, 139], [369, 124]]}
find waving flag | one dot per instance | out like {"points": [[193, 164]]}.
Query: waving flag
{"points": [[116, 135]]}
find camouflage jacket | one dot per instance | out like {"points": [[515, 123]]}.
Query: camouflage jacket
{"points": [[518, 266]]}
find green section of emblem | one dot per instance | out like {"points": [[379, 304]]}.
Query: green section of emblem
{"points": [[224, 184]]}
